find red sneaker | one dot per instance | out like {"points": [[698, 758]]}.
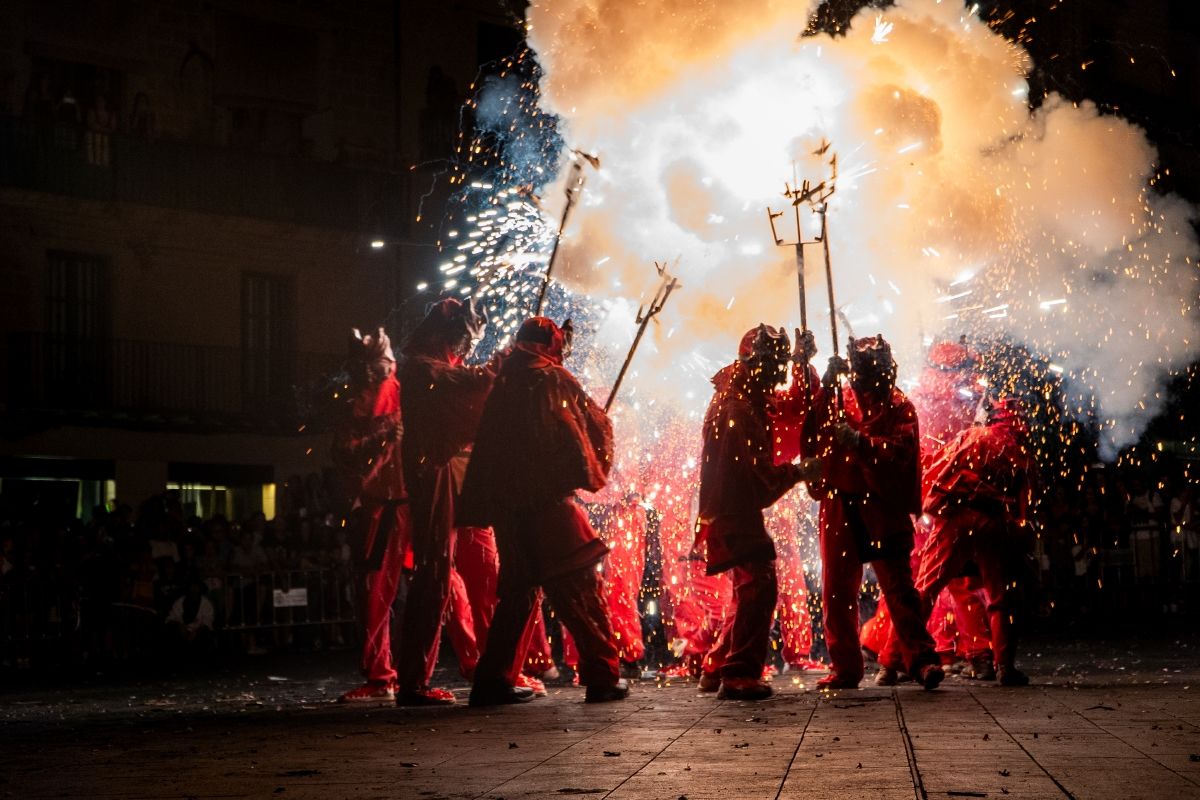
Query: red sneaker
{"points": [[526, 682], [680, 671], [370, 692], [425, 697], [835, 681]]}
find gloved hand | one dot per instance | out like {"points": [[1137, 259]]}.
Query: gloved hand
{"points": [[810, 469], [806, 347], [846, 436], [838, 366]]}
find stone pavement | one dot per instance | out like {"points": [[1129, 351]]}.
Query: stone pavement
{"points": [[1072, 735]]}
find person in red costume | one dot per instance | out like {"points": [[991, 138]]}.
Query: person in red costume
{"points": [[867, 432], [979, 498], [540, 440], [946, 397], [443, 399], [738, 479], [367, 447]]}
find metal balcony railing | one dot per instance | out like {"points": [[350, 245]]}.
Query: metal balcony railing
{"points": [[120, 380], [63, 160]]}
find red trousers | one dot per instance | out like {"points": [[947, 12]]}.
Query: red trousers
{"points": [[381, 587], [579, 604], [983, 539], [957, 623], [431, 497], [741, 650], [460, 627], [841, 572]]}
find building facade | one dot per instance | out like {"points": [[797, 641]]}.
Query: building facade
{"points": [[198, 200]]}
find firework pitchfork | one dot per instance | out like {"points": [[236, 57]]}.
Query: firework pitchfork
{"points": [[817, 199], [575, 180], [667, 284]]}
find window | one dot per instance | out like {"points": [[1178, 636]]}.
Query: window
{"points": [[268, 331], [78, 318], [77, 296]]}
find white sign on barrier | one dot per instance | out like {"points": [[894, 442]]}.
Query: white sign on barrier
{"points": [[292, 598]]}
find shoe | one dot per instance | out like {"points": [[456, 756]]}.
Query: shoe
{"points": [[682, 671], [370, 692], [807, 664], [425, 697], [980, 668], [709, 681], [744, 689], [887, 677], [956, 667], [1011, 676], [769, 671], [835, 681], [532, 684], [499, 695], [551, 673], [607, 694], [631, 670], [930, 676]]}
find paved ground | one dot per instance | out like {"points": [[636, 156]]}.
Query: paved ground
{"points": [[1113, 721]]}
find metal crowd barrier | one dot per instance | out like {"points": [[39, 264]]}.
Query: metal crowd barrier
{"points": [[287, 598], [36, 612]]}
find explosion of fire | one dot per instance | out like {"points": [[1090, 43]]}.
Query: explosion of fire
{"points": [[960, 208]]}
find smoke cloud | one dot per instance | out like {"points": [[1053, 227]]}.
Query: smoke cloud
{"points": [[958, 208]]}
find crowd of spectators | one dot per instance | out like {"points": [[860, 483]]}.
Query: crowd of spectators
{"points": [[124, 585], [1124, 542]]}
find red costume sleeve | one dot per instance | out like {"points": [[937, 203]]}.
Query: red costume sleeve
{"points": [[738, 470], [366, 443], [982, 466], [443, 403]]}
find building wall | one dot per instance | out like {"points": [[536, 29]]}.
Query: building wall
{"points": [[175, 273]]}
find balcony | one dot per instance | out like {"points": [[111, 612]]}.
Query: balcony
{"points": [[182, 175], [157, 385]]}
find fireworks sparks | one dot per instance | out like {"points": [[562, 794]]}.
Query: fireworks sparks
{"points": [[1032, 231]]}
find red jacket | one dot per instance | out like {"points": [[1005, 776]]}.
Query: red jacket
{"points": [[366, 445], [882, 474], [985, 468], [541, 439], [738, 474]]}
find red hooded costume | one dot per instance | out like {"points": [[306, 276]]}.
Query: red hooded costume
{"points": [[367, 447], [869, 493], [979, 496], [443, 400], [540, 440], [738, 479]]}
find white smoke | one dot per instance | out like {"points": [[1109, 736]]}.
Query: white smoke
{"points": [[957, 207]]}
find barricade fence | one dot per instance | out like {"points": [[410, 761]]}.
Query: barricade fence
{"points": [[52, 620]]}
